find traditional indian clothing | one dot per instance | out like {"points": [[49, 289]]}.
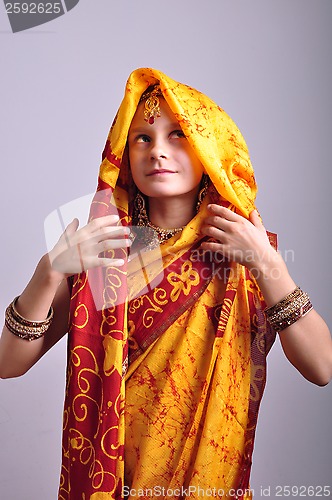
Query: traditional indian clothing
{"points": [[167, 354]]}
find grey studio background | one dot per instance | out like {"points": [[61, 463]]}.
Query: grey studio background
{"points": [[268, 64]]}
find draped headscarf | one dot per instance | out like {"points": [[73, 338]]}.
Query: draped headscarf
{"points": [[164, 382]]}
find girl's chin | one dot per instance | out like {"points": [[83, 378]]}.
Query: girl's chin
{"points": [[159, 192], [162, 194], [171, 195]]}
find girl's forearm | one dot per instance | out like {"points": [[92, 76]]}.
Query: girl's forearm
{"points": [[307, 343]]}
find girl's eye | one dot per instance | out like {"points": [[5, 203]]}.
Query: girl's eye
{"points": [[143, 138], [177, 134]]}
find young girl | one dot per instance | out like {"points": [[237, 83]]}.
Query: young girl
{"points": [[174, 295]]}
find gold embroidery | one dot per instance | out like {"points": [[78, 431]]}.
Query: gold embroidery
{"points": [[83, 323], [158, 299], [184, 281]]}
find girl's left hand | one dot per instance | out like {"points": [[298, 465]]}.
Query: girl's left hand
{"points": [[240, 240]]}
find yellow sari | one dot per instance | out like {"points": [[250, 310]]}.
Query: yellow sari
{"points": [[165, 378]]}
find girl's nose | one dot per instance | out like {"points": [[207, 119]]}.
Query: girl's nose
{"points": [[158, 150]]}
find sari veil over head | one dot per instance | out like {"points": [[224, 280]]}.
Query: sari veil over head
{"points": [[166, 354]]}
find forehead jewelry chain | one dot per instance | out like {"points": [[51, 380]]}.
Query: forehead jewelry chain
{"points": [[152, 104]]}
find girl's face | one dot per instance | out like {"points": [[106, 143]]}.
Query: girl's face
{"points": [[162, 162]]}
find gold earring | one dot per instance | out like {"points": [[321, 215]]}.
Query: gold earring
{"points": [[205, 182], [140, 214]]}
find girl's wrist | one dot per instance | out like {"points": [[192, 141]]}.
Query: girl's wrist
{"points": [[52, 276], [273, 278], [265, 265]]}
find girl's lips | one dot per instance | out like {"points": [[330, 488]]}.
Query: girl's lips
{"points": [[160, 171]]}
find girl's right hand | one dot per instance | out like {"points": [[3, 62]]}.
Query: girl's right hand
{"points": [[78, 249]]}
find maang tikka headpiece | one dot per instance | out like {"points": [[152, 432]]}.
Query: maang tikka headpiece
{"points": [[152, 104]]}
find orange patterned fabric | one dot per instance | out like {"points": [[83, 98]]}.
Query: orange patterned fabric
{"points": [[166, 355]]}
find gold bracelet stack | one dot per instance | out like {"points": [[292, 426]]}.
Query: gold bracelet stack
{"points": [[24, 328], [289, 310]]}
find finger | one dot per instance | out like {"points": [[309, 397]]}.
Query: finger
{"points": [[111, 262], [105, 262], [72, 226], [224, 212], [255, 219], [106, 220], [214, 247], [70, 230], [218, 222], [214, 232], [106, 233], [106, 245]]}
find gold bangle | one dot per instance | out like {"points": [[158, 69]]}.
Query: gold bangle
{"points": [[290, 307], [289, 310], [24, 328], [279, 306], [27, 321], [280, 324]]}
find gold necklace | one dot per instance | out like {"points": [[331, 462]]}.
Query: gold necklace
{"points": [[164, 234], [158, 235]]}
